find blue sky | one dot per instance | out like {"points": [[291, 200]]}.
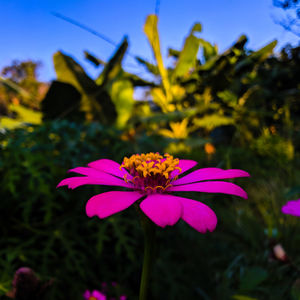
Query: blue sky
{"points": [[28, 30]]}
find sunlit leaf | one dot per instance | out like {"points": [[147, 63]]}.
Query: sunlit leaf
{"points": [[241, 297], [209, 50], [212, 121], [122, 96], [151, 31]]}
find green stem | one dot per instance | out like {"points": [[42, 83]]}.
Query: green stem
{"points": [[149, 232]]}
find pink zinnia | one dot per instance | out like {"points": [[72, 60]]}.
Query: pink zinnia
{"points": [[292, 208], [94, 295], [152, 178]]}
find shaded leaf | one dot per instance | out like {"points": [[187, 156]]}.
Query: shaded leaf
{"points": [[93, 59], [62, 101], [295, 291], [69, 71], [114, 65], [188, 54], [150, 67], [252, 278]]}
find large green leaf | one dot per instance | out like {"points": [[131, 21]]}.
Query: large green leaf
{"points": [[69, 71], [188, 54], [117, 85], [121, 92], [151, 32], [114, 65], [62, 100]]}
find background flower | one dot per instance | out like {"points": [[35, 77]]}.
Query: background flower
{"points": [[94, 295], [292, 208]]}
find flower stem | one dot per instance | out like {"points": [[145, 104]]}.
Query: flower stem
{"points": [[149, 233]]}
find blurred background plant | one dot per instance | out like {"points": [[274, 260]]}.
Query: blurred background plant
{"points": [[235, 109]]}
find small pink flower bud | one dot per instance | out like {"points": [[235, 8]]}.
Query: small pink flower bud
{"points": [[279, 252]]}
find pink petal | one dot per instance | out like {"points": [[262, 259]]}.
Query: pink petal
{"points": [[198, 215], [109, 203], [87, 295], [89, 172], [106, 179], [162, 209], [292, 208], [211, 187], [184, 164], [210, 174], [109, 166], [94, 173]]}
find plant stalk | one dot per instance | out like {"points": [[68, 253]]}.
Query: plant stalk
{"points": [[149, 248]]}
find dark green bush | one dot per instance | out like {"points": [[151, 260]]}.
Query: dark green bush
{"points": [[46, 228]]}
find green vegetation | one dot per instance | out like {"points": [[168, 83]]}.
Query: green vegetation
{"points": [[237, 109]]}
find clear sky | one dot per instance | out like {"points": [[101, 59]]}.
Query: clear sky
{"points": [[28, 30]]}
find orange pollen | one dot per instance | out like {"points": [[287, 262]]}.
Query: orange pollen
{"points": [[151, 172]]}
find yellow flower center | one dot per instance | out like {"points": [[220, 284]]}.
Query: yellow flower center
{"points": [[92, 298], [151, 171]]}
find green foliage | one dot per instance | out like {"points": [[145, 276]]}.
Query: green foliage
{"points": [[53, 222], [42, 226], [23, 116], [109, 98]]}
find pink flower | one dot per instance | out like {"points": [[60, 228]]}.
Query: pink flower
{"points": [[94, 295], [152, 178], [292, 208]]}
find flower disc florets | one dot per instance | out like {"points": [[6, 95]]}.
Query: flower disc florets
{"points": [[151, 172]]}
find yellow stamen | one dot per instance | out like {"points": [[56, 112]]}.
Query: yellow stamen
{"points": [[151, 164], [157, 187], [125, 178]]}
